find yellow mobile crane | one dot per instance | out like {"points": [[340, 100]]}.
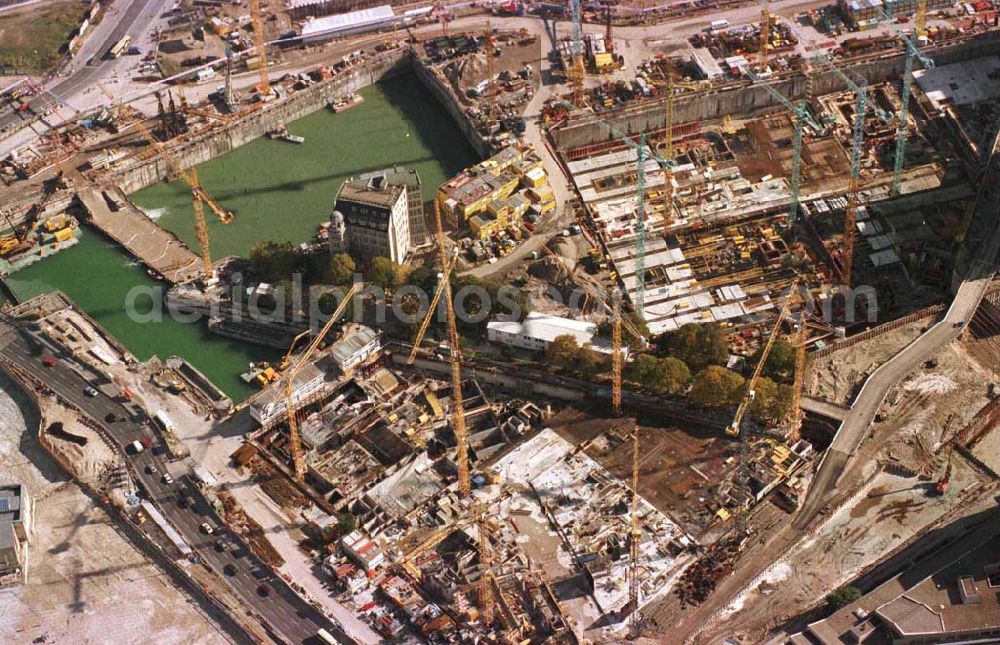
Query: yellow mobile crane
{"points": [[734, 428], [289, 377]]}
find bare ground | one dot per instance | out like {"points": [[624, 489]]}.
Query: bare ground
{"points": [[85, 581]]}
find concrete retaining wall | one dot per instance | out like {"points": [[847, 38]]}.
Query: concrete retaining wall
{"points": [[219, 141], [742, 98], [438, 86]]}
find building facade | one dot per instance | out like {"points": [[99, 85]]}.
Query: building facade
{"points": [[402, 176], [375, 220], [15, 532]]}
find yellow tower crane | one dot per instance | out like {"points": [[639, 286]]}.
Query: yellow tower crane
{"points": [[264, 87], [635, 622], [458, 404], [445, 275], [199, 198], [201, 227], [920, 21], [616, 356], [288, 379], [485, 587], [765, 35], [795, 412], [668, 141]]}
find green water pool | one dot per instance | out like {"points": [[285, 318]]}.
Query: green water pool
{"points": [[278, 191]]}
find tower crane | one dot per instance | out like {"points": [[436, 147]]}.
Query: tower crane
{"points": [[912, 52], [445, 275], [199, 198], [863, 102], [458, 403], [795, 411], [635, 622], [765, 35], [577, 70], [260, 40], [224, 216], [485, 587], [288, 378], [668, 143], [201, 228], [802, 118]]}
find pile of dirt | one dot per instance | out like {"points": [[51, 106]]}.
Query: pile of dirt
{"points": [[551, 270], [237, 519]]}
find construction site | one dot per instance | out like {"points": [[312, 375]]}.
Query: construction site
{"points": [[811, 203]]}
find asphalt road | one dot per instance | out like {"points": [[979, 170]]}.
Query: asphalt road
{"points": [[283, 610], [133, 21], [855, 425]]}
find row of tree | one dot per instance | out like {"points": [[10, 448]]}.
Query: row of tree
{"points": [[668, 370]]}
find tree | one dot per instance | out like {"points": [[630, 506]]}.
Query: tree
{"points": [[697, 345], [273, 261], [843, 597], [346, 522], [562, 350], [716, 387], [673, 375], [385, 273], [781, 363], [765, 395], [589, 363], [662, 375], [341, 269]]}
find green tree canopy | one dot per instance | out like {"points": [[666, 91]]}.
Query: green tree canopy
{"points": [[385, 273], [781, 363], [273, 261], [716, 387], [340, 270], [697, 345], [563, 350], [590, 363], [663, 375], [843, 596]]}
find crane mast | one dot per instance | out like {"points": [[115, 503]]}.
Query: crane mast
{"points": [[765, 36], [295, 442], [485, 587], [264, 87], [458, 402], [201, 228], [419, 338], [635, 622]]}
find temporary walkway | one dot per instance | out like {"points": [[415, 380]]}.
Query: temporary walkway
{"points": [[151, 245], [824, 408]]}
